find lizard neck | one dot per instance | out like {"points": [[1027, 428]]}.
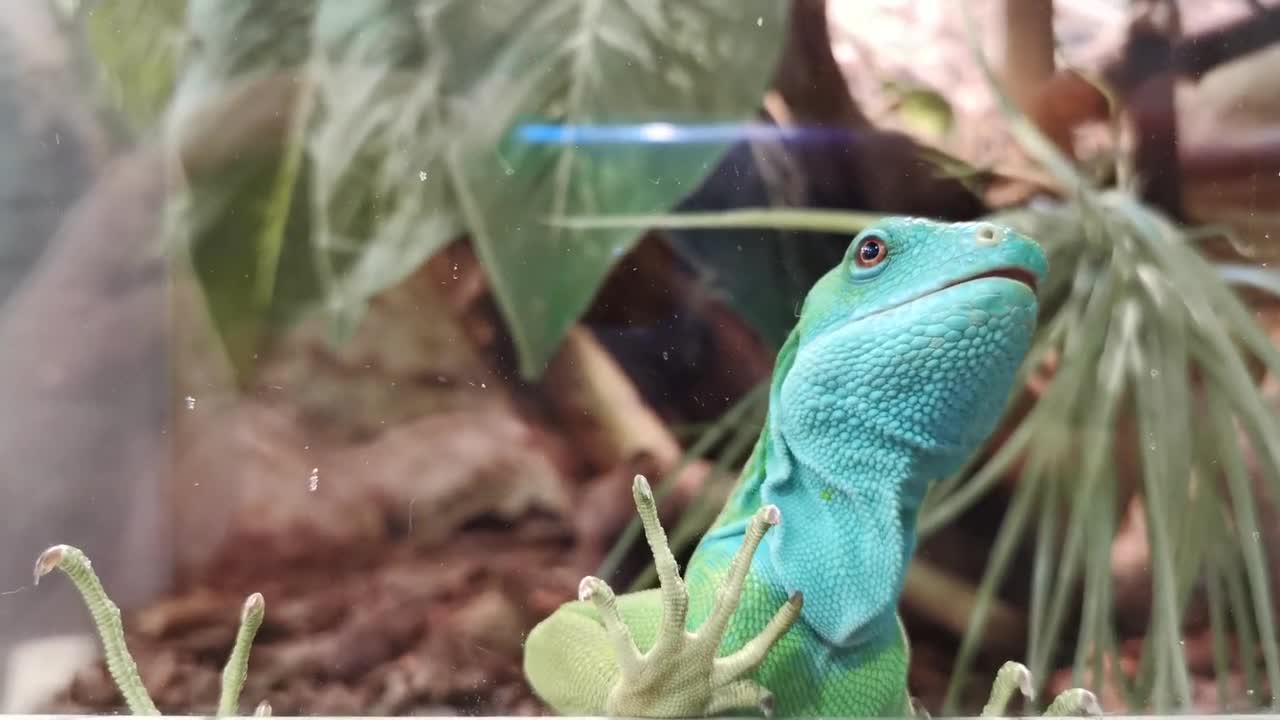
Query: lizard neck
{"points": [[847, 536], [848, 530]]}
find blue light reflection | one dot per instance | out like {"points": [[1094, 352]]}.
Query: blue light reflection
{"points": [[669, 133]]}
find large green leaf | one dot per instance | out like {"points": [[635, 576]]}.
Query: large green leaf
{"points": [[587, 63], [421, 134], [416, 135]]}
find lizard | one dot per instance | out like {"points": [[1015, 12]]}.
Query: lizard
{"points": [[898, 368]]}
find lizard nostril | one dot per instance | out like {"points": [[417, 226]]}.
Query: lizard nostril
{"points": [[988, 235]]}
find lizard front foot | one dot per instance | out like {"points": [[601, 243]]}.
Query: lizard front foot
{"points": [[1015, 676], [681, 675]]}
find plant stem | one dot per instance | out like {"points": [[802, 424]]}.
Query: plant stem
{"points": [[237, 667], [106, 618]]}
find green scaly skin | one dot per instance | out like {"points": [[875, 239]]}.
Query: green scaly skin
{"points": [[897, 370]]}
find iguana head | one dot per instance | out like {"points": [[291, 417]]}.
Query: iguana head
{"points": [[913, 339]]}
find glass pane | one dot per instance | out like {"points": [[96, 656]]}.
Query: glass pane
{"points": [[350, 352]]}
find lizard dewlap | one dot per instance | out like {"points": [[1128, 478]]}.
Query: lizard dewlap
{"points": [[897, 370]]}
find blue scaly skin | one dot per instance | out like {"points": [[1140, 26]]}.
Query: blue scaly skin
{"points": [[898, 369]]}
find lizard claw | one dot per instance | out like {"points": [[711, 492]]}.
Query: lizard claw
{"points": [[772, 514], [587, 587], [768, 705]]}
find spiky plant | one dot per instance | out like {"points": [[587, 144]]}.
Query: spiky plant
{"points": [[120, 664]]}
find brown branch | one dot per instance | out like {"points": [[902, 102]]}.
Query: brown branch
{"points": [[1028, 48], [808, 78], [1068, 100], [1229, 159], [1151, 112], [1195, 56]]}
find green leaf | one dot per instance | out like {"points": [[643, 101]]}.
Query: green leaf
{"points": [[253, 261], [922, 109], [416, 135], [1250, 276], [383, 202], [240, 216], [135, 46], [586, 63]]}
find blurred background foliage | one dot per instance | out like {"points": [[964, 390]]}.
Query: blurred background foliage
{"points": [[352, 183], [403, 133]]}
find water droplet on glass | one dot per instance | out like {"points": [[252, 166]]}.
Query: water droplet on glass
{"points": [[666, 355], [759, 22], [313, 482], [191, 403], [1155, 372], [1256, 536]]}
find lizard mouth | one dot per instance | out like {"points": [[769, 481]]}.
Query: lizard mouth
{"points": [[1009, 273], [1016, 274]]}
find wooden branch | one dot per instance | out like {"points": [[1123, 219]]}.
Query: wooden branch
{"points": [[1195, 56], [601, 409], [1028, 48], [1232, 158], [1068, 100], [808, 78], [1151, 109]]}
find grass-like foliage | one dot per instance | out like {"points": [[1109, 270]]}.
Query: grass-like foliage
{"points": [[106, 618]]}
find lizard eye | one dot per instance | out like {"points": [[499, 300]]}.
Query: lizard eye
{"points": [[870, 252]]}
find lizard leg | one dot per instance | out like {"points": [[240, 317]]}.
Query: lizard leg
{"points": [[680, 676], [1015, 676]]}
